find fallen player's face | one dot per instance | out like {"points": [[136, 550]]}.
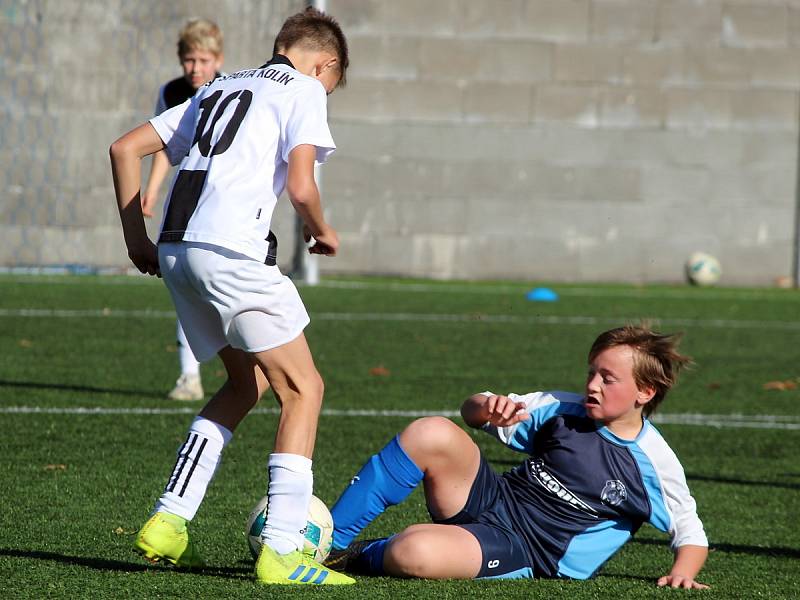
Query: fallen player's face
{"points": [[200, 66], [611, 391]]}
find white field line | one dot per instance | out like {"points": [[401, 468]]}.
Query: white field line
{"points": [[735, 421], [633, 292], [421, 317], [43, 276]]}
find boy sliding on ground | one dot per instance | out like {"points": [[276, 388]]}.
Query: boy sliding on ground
{"points": [[240, 140], [597, 470]]}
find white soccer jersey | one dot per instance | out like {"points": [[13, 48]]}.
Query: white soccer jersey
{"points": [[232, 140]]}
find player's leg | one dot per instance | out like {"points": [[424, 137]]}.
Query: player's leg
{"points": [[245, 385], [210, 432], [449, 458], [188, 386], [428, 551], [431, 551], [165, 534], [298, 388], [433, 450], [470, 551], [478, 541]]}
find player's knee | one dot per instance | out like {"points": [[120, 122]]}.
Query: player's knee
{"points": [[431, 435], [410, 554], [309, 391], [313, 389]]}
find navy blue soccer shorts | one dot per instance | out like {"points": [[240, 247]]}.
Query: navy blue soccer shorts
{"points": [[486, 517]]}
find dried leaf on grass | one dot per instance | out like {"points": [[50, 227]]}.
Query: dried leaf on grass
{"points": [[781, 386]]}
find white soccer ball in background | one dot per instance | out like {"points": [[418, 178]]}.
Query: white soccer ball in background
{"points": [[703, 269], [319, 529]]}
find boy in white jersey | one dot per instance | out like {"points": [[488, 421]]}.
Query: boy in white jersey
{"points": [[200, 52], [597, 470], [240, 141]]}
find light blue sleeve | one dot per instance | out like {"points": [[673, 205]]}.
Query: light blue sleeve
{"points": [[541, 407]]}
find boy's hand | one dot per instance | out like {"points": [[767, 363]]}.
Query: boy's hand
{"points": [[148, 202], [326, 243], [145, 257], [503, 411], [680, 581]]}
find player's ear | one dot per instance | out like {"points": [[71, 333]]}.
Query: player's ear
{"points": [[325, 64], [645, 394]]}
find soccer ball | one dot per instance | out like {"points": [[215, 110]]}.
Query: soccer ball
{"points": [[318, 533], [703, 269]]}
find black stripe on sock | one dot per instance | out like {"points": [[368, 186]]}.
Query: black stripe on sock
{"points": [[177, 470], [194, 464]]}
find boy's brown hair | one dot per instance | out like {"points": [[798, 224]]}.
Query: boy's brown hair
{"points": [[200, 34], [315, 30], [656, 360]]}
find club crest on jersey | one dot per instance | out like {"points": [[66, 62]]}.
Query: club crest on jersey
{"points": [[556, 488], [614, 493]]}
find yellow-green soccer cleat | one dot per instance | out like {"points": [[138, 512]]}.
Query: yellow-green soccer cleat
{"points": [[295, 568], [164, 537]]}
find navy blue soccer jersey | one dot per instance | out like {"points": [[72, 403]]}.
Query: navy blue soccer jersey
{"points": [[583, 492]]}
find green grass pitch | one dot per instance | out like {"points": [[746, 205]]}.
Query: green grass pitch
{"points": [[81, 468]]}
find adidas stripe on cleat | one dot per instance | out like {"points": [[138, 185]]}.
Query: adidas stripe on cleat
{"points": [[305, 574], [295, 568]]}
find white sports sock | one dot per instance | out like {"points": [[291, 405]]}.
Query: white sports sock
{"points": [[290, 484], [198, 459], [189, 364]]}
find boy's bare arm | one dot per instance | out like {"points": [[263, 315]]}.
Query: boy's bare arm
{"points": [[689, 559], [304, 195], [126, 167], [158, 172], [500, 411]]}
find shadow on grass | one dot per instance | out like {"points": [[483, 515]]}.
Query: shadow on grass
{"points": [[772, 551], [104, 564], [613, 575], [78, 388]]}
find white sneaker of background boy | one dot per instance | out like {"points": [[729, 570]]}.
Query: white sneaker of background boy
{"points": [[188, 388]]}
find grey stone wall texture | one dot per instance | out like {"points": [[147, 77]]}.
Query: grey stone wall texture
{"points": [[565, 140]]}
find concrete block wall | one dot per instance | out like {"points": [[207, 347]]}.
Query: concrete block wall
{"points": [[74, 76], [566, 139], [571, 140]]}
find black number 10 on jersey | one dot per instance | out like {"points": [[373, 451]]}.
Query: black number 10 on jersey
{"points": [[189, 184]]}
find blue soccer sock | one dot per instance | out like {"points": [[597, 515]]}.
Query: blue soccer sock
{"points": [[385, 480], [370, 559]]}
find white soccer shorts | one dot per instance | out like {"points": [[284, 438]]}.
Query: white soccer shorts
{"points": [[225, 298]]}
